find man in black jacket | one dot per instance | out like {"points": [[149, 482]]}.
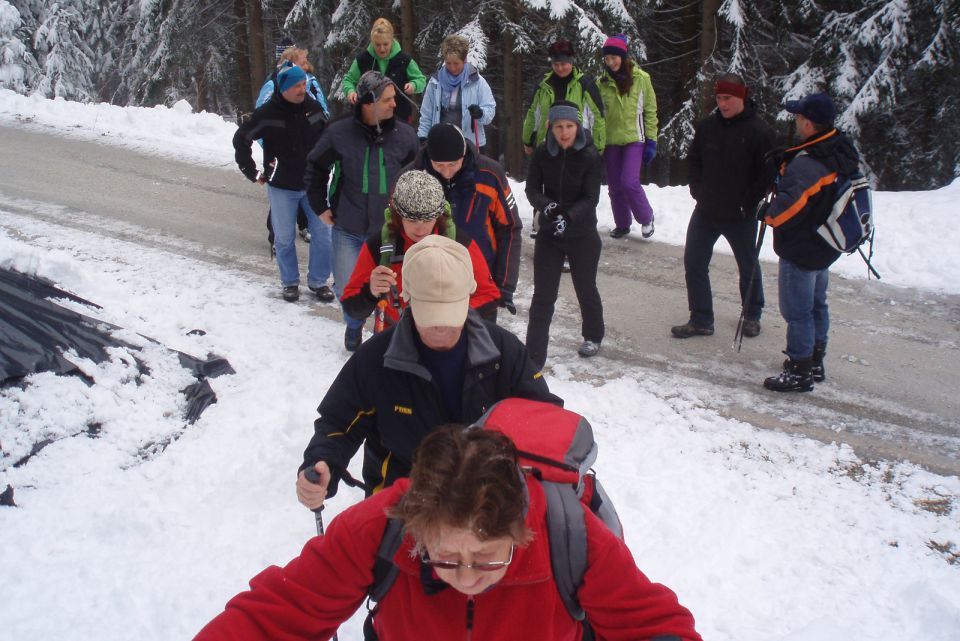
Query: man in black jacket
{"points": [[289, 124], [439, 364], [804, 198], [728, 176], [368, 151]]}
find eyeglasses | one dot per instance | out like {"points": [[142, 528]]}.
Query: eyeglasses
{"points": [[490, 566]]}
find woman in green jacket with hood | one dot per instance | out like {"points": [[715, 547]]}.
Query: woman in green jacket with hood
{"points": [[383, 54], [630, 112]]}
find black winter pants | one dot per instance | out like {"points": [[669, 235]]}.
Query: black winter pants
{"points": [[702, 235], [548, 254]]}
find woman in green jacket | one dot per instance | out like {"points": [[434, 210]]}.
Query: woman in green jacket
{"points": [[384, 55], [630, 112]]}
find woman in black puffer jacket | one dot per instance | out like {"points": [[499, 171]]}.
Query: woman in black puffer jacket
{"points": [[563, 186]]}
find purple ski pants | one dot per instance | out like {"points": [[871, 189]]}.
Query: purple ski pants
{"points": [[627, 198]]}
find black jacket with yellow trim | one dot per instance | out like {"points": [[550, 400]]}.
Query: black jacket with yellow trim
{"points": [[385, 398], [805, 195]]}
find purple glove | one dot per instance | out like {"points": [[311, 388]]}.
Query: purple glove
{"points": [[649, 151]]}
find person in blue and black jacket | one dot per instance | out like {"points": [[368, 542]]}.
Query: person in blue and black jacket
{"points": [[804, 198]]}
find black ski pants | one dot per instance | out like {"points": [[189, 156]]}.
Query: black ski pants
{"points": [[702, 235], [583, 252]]}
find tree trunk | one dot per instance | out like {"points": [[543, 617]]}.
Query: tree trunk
{"points": [[511, 119], [200, 78], [408, 27], [258, 58], [241, 44], [708, 45]]}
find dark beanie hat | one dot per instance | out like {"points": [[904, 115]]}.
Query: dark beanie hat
{"points": [[561, 51], [817, 108], [615, 46], [371, 86], [445, 143]]}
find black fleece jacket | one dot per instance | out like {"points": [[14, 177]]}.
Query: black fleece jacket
{"points": [[289, 132], [386, 399], [728, 171]]}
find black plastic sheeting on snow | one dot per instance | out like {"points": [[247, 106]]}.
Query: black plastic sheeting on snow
{"points": [[35, 331]]}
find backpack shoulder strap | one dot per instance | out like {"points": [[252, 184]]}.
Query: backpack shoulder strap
{"points": [[384, 571], [567, 535]]}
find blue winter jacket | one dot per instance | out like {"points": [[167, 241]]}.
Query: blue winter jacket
{"points": [[475, 91]]}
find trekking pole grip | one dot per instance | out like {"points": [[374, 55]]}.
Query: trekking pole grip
{"points": [[314, 477]]}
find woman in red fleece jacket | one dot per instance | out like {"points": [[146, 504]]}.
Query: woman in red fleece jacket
{"points": [[474, 564], [417, 210]]}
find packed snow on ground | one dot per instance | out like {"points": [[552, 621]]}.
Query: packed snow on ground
{"points": [[764, 536]]}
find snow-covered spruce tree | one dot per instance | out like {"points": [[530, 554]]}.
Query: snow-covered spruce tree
{"points": [[66, 66], [18, 68], [888, 64], [180, 50]]}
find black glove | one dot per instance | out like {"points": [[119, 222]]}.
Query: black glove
{"points": [[556, 219], [475, 112], [506, 300]]}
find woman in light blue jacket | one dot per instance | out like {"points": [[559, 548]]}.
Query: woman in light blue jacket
{"points": [[458, 94]]}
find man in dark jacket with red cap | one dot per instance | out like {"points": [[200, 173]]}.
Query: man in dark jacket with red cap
{"points": [[728, 176], [805, 196]]}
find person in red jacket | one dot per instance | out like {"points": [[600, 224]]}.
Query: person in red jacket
{"points": [[417, 210], [474, 563]]}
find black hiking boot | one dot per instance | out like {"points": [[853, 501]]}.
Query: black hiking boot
{"points": [[619, 232], [751, 328], [795, 377], [816, 368], [352, 338], [291, 294], [689, 329], [324, 294]]}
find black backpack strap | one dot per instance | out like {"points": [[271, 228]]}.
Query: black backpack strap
{"points": [[567, 534], [589, 88], [384, 573]]}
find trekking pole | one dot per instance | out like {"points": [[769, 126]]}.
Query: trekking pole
{"points": [[311, 475], [738, 336], [476, 134]]}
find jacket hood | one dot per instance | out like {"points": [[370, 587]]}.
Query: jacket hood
{"points": [[553, 147], [394, 50], [833, 149]]}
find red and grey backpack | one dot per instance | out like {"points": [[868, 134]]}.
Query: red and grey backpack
{"points": [[556, 446]]}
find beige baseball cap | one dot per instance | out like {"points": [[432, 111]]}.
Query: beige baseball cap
{"points": [[437, 282]]}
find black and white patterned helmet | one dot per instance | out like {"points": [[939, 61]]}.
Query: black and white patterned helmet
{"points": [[418, 196]]}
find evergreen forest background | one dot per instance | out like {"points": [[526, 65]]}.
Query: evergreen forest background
{"points": [[890, 65]]}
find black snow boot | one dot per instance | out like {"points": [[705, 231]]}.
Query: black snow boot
{"points": [[816, 369], [795, 377]]}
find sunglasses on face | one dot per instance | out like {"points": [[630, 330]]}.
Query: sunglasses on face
{"points": [[490, 566]]}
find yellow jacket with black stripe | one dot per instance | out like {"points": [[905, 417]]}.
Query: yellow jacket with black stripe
{"points": [[385, 399], [805, 195]]}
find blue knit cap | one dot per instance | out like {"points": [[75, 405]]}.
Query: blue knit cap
{"points": [[289, 77]]}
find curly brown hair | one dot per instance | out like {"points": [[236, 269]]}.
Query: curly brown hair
{"points": [[465, 478]]}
